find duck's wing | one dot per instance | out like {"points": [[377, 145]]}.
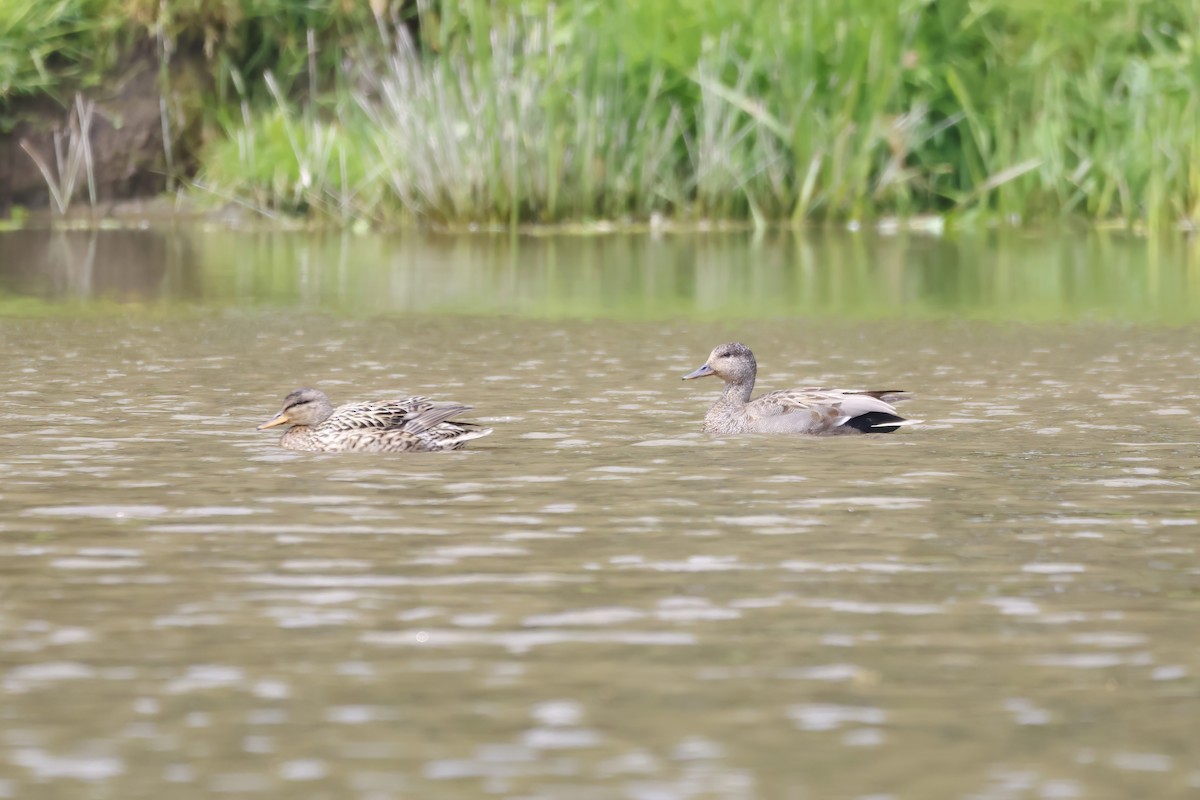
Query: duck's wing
{"points": [[818, 410], [433, 416], [379, 414], [886, 395], [410, 423]]}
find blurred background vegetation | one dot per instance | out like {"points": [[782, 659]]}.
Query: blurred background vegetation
{"points": [[470, 112]]}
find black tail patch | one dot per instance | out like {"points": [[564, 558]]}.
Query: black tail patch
{"points": [[874, 422]]}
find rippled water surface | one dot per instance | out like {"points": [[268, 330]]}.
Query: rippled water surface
{"points": [[598, 601]]}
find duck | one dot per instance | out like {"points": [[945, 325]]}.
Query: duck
{"points": [[409, 425], [819, 412]]}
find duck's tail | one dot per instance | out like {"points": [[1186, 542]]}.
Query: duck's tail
{"points": [[469, 431], [878, 422]]}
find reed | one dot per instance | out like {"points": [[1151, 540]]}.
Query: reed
{"points": [[466, 139], [72, 153], [771, 112]]}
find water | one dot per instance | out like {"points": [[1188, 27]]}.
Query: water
{"points": [[598, 601]]}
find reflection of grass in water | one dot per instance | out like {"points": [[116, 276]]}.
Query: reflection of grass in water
{"points": [[724, 276], [715, 277]]}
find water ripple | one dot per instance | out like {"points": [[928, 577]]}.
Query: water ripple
{"points": [[524, 641]]}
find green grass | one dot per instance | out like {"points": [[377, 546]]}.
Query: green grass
{"points": [[56, 47], [782, 111], [44, 42]]}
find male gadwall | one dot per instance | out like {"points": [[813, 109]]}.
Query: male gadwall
{"points": [[413, 424], [812, 411]]}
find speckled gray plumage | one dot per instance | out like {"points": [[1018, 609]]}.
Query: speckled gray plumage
{"points": [[805, 411]]}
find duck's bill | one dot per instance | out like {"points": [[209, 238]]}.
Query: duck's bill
{"points": [[278, 419], [703, 372]]}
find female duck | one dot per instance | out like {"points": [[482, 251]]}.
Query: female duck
{"points": [[391, 426], [812, 411]]}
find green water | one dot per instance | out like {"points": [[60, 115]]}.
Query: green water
{"points": [[996, 276]]}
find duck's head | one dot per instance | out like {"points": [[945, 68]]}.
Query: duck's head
{"points": [[732, 363], [302, 407]]}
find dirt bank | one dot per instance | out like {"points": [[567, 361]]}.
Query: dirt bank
{"points": [[126, 128]]}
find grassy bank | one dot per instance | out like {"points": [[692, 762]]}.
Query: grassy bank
{"points": [[776, 111]]}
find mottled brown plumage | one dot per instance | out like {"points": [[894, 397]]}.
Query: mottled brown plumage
{"points": [[413, 424]]}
